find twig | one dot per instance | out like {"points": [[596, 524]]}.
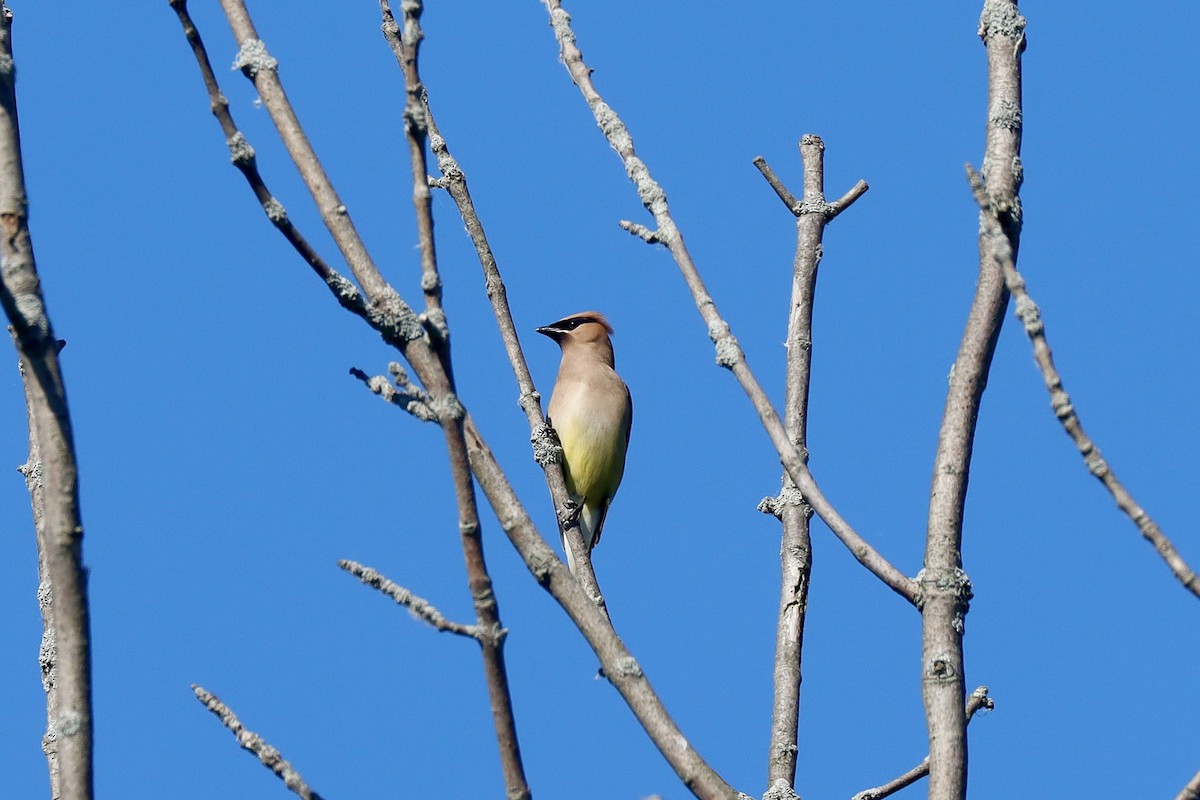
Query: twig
{"points": [[51, 472], [403, 393], [945, 587], [250, 741], [977, 700], [1191, 791], [245, 159], [808, 206], [406, 46], [1031, 319], [419, 607], [729, 352], [796, 546]]}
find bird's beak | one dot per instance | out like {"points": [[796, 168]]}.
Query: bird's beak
{"points": [[551, 331]]}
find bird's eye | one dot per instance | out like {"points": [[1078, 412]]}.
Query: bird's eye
{"points": [[572, 324]]}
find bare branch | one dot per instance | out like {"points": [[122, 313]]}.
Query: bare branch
{"points": [[784, 193], [51, 472], [1192, 790], [729, 352], [403, 393], [641, 231], [798, 207], [245, 159], [945, 587], [1031, 319], [250, 741], [406, 46], [977, 700], [796, 546], [419, 607], [845, 201]]}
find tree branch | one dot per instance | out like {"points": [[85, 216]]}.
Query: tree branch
{"points": [[793, 512], [244, 158], [729, 352], [251, 742], [977, 700], [403, 393], [420, 608], [51, 472], [1031, 319], [946, 589], [1191, 791], [406, 46]]}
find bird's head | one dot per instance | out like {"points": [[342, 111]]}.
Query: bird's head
{"points": [[585, 331]]}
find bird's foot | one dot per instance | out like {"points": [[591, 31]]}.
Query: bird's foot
{"points": [[568, 515]]}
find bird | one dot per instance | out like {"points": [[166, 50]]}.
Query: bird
{"points": [[592, 412]]}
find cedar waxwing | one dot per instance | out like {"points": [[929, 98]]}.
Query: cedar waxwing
{"points": [[592, 412]]}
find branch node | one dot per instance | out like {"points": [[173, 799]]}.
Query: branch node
{"points": [[406, 394], [629, 667], [547, 449], [1030, 315], [780, 790], [729, 352], [946, 581], [789, 495], [240, 150], [1002, 19], [275, 212], [253, 57], [642, 232]]}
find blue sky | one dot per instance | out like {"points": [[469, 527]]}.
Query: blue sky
{"points": [[228, 459]]}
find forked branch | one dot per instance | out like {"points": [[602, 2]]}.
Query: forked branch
{"points": [[977, 700], [812, 214]]}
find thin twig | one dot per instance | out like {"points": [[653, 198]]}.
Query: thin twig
{"points": [[945, 587], [250, 741], [403, 393], [405, 42], [1191, 791], [1031, 319], [729, 352], [419, 607], [784, 193], [51, 472], [244, 158], [977, 700]]}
